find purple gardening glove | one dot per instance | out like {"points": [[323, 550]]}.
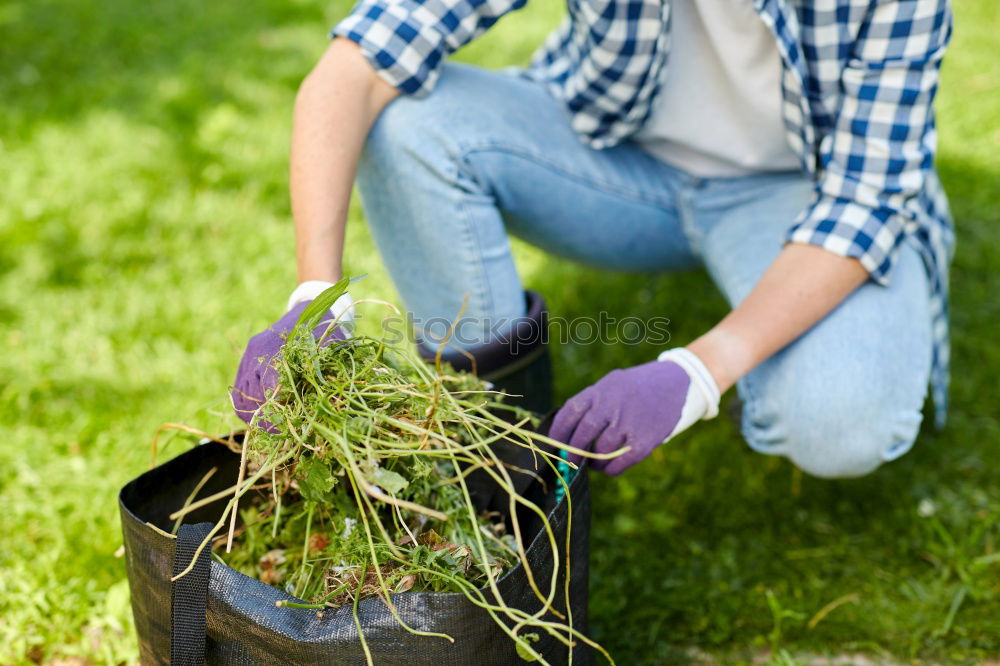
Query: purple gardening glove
{"points": [[256, 374], [641, 407]]}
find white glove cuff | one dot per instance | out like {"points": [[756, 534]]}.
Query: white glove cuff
{"points": [[309, 290], [701, 379]]}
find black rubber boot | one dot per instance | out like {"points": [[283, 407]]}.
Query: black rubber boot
{"points": [[518, 365]]}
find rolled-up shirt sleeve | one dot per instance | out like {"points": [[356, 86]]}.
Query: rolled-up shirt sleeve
{"points": [[406, 41], [877, 158]]}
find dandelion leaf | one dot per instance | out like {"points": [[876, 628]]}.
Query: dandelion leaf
{"points": [[316, 480]]}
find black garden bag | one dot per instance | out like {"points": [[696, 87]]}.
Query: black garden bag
{"points": [[216, 615]]}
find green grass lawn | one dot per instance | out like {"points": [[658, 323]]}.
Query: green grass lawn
{"points": [[145, 235]]}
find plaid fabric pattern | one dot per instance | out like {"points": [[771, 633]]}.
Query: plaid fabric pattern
{"points": [[858, 84], [406, 40]]}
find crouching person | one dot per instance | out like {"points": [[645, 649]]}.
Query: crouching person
{"points": [[787, 150]]}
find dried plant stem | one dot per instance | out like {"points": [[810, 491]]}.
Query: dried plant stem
{"points": [[357, 620], [239, 481], [205, 501], [154, 444], [190, 498], [296, 604], [305, 544], [231, 506]]}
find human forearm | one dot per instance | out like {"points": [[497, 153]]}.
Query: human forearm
{"points": [[803, 285], [334, 110]]}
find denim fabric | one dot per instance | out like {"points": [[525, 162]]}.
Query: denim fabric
{"points": [[858, 83], [444, 180]]}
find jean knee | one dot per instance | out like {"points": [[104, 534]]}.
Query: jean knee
{"points": [[846, 452], [834, 439]]}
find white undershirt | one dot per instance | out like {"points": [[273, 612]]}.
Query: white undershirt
{"points": [[718, 112]]}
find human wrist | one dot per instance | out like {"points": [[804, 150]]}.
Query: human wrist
{"points": [[724, 355], [319, 246]]}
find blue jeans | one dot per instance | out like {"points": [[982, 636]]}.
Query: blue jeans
{"points": [[444, 180]]}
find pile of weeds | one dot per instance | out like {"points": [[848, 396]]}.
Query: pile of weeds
{"points": [[354, 473]]}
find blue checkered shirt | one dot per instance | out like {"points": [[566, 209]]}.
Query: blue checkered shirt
{"points": [[858, 86]]}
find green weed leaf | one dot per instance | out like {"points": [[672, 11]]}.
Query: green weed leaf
{"points": [[321, 304], [315, 480], [523, 648], [389, 481]]}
